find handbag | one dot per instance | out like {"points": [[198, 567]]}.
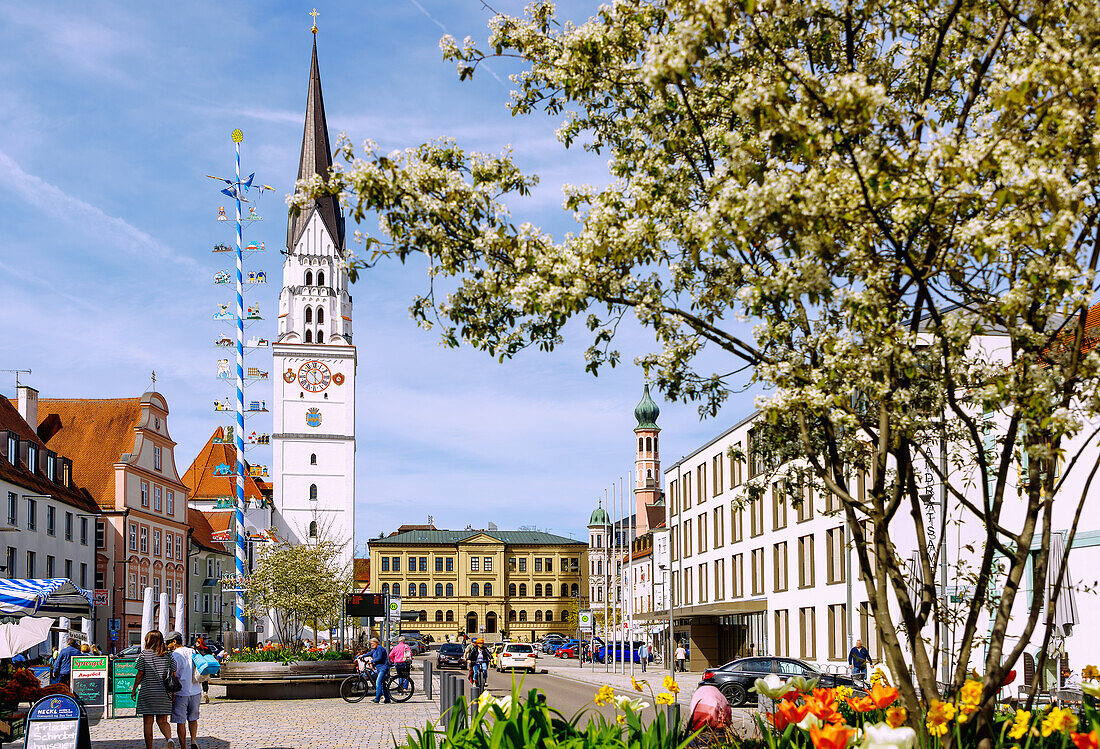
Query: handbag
{"points": [[172, 683]]}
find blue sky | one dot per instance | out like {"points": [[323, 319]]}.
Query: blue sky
{"points": [[110, 115]]}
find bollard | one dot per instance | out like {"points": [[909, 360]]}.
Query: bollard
{"points": [[460, 696], [673, 713], [475, 693], [446, 695], [428, 679]]}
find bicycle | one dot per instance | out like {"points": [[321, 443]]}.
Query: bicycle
{"points": [[479, 675], [399, 683]]}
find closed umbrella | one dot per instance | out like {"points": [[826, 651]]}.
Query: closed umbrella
{"points": [[179, 619], [86, 627], [146, 614], [1065, 609], [163, 618], [65, 625], [25, 633]]}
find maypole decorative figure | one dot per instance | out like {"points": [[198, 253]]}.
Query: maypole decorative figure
{"points": [[236, 189]]}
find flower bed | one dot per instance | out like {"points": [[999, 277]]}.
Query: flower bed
{"points": [[274, 653]]}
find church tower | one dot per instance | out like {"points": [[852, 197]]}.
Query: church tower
{"points": [[314, 415], [647, 461]]}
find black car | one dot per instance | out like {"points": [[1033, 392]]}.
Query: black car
{"points": [[736, 678], [449, 654]]}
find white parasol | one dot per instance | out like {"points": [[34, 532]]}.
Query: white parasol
{"points": [[179, 622], [163, 618], [26, 633], [146, 614]]}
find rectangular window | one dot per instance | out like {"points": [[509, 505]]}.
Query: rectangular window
{"points": [[156, 498], [412, 564], [738, 575], [735, 467], [834, 555], [168, 544], [32, 457], [439, 564], [131, 585], [156, 458], [758, 572], [737, 524], [686, 488], [68, 526], [838, 632], [719, 579], [511, 564], [32, 516], [51, 521], [717, 486], [50, 562], [779, 559], [702, 530], [100, 580], [206, 603], [756, 517], [487, 564], [782, 635], [450, 564], [156, 542], [83, 575], [806, 561], [83, 531], [69, 569], [30, 564], [687, 586], [100, 534], [674, 496], [143, 535], [806, 506], [868, 632], [13, 448], [423, 564], [170, 498], [133, 536], [701, 484], [385, 564], [12, 571], [719, 527], [395, 562], [13, 508], [523, 564], [51, 462], [779, 507], [807, 633], [144, 493], [538, 564], [687, 539], [210, 566], [548, 564], [475, 564], [703, 583]]}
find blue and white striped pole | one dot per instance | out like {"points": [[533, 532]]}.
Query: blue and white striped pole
{"points": [[237, 138]]}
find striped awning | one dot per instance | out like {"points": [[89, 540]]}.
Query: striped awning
{"points": [[54, 597]]}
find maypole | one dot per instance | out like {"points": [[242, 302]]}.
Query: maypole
{"points": [[238, 136]]}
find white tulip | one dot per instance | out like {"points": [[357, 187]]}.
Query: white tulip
{"points": [[883, 736]]}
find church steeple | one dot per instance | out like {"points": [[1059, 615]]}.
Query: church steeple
{"points": [[316, 158]]}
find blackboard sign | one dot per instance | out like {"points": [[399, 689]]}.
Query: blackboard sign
{"points": [[89, 683], [123, 675], [57, 722]]}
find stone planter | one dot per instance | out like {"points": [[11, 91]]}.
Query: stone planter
{"points": [[275, 681]]}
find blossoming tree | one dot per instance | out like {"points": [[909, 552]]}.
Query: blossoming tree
{"points": [[877, 185]]}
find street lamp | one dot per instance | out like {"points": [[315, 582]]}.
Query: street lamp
{"points": [[667, 586]]}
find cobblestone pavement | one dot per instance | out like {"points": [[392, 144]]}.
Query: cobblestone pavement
{"points": [[283, 724]]}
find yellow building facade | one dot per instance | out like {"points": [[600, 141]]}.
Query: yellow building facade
{"points": [[514, 585]]}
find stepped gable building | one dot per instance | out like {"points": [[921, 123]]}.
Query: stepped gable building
{"points": [[498, 584], [313, 440], [123, 454]]}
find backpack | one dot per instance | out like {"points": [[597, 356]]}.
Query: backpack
{"points": [[205, 665]]}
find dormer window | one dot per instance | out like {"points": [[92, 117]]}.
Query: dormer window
{"points": [[13, 448], [51, 466], [32, 457]]}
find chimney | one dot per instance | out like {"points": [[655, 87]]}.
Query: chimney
{"points": [[28, 405]]}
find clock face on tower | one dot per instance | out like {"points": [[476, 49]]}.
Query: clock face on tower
{"points": [[314, 376]]}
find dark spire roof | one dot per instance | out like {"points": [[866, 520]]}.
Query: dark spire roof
{"points": [[316, 158], [646, 412]]}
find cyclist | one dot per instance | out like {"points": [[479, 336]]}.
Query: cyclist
{"points": [[379, 659], [478, 657]]}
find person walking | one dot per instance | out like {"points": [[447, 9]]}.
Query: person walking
{"points": [[154, 701], [185, 704], [643, 655], [204, 649], [61, 672], [380, 659], [859, 658], [681, 656], [401, 658]]}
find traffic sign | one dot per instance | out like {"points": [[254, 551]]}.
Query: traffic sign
{"points": [[114, 625], [395, 609], [99, 597], [584, 618]]}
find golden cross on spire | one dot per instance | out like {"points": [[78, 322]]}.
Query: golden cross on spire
{"points": [[314, 13]]}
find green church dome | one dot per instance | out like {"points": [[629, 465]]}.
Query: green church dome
{"points": [[599, 517], [646, 412]]}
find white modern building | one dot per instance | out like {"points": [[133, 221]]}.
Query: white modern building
{"points": [[314, 420]]}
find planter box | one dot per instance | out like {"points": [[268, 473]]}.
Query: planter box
{"points": [[275, 681]]}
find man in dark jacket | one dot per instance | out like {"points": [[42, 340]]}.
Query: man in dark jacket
{"points": [[62, 671], [380, 660], [859, 658]]}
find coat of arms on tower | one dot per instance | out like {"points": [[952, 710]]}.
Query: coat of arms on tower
{"points": [[288, 376], [313, 417], [338, 378]]}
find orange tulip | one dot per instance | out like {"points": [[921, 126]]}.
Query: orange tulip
{"points": [[825, 696], [824, 711], [787, 713], [862, 704], [830, 737], [882, 695], [1085, 740]]}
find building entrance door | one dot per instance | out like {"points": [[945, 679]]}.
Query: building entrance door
{"points": [[490, 623], [471, 624]]}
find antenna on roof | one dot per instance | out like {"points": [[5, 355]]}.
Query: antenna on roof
{"points": [[17, 372]]}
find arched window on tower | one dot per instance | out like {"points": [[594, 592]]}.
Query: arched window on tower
{"points": [[648, 440], [320, 280], [313, 529], [640, 440], [313, 492], [309, 315], [654, 443], [309, 336], [320, 336], [313, 459], [320, 315], [309, 278]]}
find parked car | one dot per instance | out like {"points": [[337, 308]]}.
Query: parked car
{"points": [[449, 654], [494, 656], [130, 652], [516, 655], [735, 678], [567, 649], [552, 642], [619, 651]]}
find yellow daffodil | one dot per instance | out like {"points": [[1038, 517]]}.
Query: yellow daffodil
{"points": [[896, 716], [665, 698], [671, 685], [620, 719], [1020, 724], [843, 692], [1058, 720], [605, 695], [971, 692], [636, 684], [939, 715]]}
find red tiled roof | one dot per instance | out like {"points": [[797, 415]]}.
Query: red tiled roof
{"points": [[361, 572], [20, 475], [95, 433], [201, 531], [201, 482], [1063, 342]]}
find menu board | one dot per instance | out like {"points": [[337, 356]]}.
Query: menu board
{"points": [[89, 683], [53, 734], [57, 721], [123, 675]]}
